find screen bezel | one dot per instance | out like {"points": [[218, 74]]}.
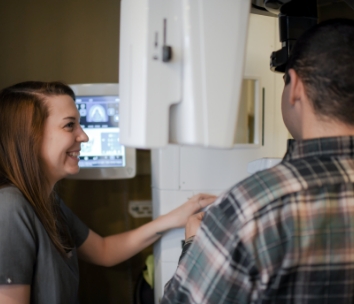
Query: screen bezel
{"points": [[129, 170]]}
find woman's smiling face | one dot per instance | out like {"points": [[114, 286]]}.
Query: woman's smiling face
{"points": [[62, 138]]}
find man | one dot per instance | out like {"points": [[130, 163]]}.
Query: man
{"points": [[286, 234]]}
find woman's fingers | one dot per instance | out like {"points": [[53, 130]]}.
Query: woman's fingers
{"points": [[206, 201], [203, 200], [193, 224], [179, 216]]}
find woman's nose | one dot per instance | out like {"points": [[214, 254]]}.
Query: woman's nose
{"points": [[82, 136]]}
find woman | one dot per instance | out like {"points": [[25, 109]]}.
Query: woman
{"points": [[40, 238]]}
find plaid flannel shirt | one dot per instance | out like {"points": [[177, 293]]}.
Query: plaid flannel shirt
{"points": [[283, 235]]}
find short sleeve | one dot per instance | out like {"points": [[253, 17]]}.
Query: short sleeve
{"points": [[18, 242], [78, 230]]}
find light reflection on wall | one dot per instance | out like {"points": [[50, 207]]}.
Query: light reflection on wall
{"points": [[245, 127]]}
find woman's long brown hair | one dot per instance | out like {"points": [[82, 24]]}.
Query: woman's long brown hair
{"points": [[23, 113]]}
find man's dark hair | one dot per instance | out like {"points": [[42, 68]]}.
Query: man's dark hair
{"points": [[323, 58]]}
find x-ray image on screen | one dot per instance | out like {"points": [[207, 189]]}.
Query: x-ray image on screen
{"points": [[96, 113]]}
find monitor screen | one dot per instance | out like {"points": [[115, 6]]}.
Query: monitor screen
{"points": [[102, 157], [99, 117]]}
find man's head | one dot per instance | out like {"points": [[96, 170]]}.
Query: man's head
{"points": [[323, 61]]}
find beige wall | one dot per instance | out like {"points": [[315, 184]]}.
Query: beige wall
{"points": [[76, 41]]}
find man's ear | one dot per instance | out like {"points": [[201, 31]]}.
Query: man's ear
{"points": [[296, 90]]}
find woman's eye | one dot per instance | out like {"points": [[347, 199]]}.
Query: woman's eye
{"points": [[70, 125]]}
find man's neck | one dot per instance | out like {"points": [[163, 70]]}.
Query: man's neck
{"points": [[324, 127]]}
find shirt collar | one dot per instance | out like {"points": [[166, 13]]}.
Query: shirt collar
{"points": [[324, 146]]}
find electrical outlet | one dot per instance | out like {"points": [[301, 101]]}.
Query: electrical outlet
{"points": [[140, 209]]}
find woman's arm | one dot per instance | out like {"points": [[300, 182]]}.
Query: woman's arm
{"points": [[111, 250], [15, 294]]}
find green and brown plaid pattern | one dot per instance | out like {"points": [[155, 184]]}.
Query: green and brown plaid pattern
{"points": [[283, 235]]}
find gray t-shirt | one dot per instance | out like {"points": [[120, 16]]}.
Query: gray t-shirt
{"points": [[27, 255]]}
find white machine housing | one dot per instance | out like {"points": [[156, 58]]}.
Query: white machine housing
{"points": [[181, 70]]}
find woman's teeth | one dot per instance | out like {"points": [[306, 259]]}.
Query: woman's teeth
{"points": [[74, 154]]}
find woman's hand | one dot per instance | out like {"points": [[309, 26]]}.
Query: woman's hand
{"points": [[180, 215], [193, 224]]}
